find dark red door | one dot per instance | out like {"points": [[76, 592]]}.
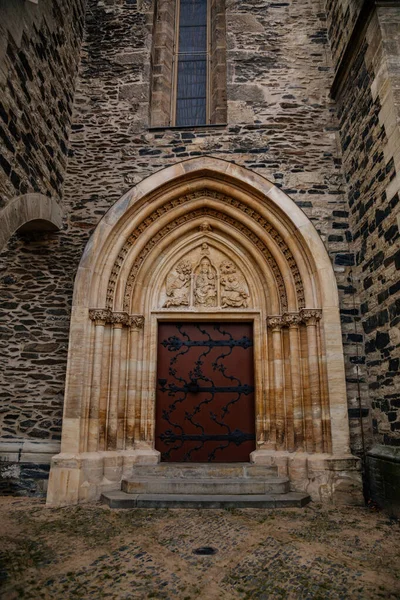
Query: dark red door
{"points": [[205, 392]]}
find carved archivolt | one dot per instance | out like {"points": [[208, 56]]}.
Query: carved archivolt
{"points": [[240, 206], [189, 217]]}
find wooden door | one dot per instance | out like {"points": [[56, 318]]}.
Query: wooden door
{"points": [[205, 392]]}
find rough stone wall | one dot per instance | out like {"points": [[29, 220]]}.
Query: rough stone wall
{"points": [[371, 173], [281, 123], [369, 114], [342, 16], [39, 59], [39, 56]]}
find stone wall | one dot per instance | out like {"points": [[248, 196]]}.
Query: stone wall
{"points": [[39, 55], [281, 124], [368, 111], [343, 15]]}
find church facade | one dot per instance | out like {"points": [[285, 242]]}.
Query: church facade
{"points": [[200, 242]]}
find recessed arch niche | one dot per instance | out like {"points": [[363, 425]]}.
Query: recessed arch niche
{"points": [[143, 265]]}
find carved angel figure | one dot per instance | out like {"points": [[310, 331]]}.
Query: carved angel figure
{"points": [[205, 290], [178, 285], [234, 290]]}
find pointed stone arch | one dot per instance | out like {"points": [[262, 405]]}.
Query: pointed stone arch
{"points": [[211, 210]]}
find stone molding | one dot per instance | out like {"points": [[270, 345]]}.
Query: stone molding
{"points": [[308, 316], [103, 316], [30, 212]]}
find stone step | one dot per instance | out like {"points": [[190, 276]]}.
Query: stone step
{"points": [[205, 470], [239, 486], [119, 499]]}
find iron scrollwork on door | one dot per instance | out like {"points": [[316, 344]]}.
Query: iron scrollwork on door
{"points": [[206, 407]]}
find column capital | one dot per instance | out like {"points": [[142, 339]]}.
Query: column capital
{"points": [[310, 316], [136, 322], [119, 319], [275, 322], [292, 319], [100, 316]]}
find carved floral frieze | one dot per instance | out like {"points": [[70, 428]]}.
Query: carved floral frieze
{"points": [[103, 316], [307, 316]]}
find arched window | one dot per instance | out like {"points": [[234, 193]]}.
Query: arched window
{"points": [[188, 63]]}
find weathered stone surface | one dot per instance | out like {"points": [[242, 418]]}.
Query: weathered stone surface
{"points": [[38, 66], [281, 124]]}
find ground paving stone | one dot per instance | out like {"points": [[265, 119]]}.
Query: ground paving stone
{"points": [[92, 551]]}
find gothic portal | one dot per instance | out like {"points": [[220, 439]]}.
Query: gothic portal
{"points": [[204, 255]]}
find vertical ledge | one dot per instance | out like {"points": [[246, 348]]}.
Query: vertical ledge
{"points": [[307, 407], [261, 382], [276, 324], [139, 432], [288, 396], [99, 317], [325, 414], [311, 318], [136, 324], [104, 387], [118, 320], [293, 321], [87, 391], [122, 392]]}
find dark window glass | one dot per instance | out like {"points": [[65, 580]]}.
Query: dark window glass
{"points": [[192, 63]]}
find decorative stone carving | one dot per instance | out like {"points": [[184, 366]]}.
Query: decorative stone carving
{"points": [[184, 219], [178, 285], [100, 315], [136, 321], [310, 316], [103, 316], [118, 319], [205, 284], [292, 319], [234, 293], [241, 206], [205, 226], [275, 322]]}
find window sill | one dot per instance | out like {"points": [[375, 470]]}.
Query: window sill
{"points": [[187, 127]]}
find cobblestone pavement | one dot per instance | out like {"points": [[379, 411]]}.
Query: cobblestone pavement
{"points": [[92, 551]]}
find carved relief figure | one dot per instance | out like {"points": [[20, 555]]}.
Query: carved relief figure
{"points": [[205, 289], [178, 285], [234, 290]]}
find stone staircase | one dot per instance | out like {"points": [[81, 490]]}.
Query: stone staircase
{"points": [[188, 485]]}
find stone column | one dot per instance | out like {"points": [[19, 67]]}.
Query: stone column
{"points": [[104, 386], [293, 320], [139, 426], [325, 413], [99, 317], [136, 323], [311, 317], [118, 320], [278, 419]]}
